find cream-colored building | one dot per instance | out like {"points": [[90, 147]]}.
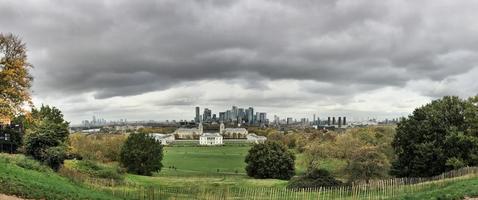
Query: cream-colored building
{"points": [[189, 133], [232, 132], [253, 138], [210, 139], [164, 139]]}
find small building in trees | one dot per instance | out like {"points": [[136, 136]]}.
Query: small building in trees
{"points": [[210, 139], [164, 139], [189, 133], [10, 137], [253, 138]]}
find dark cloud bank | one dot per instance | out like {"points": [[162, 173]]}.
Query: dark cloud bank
{"points": [[123, 48]]}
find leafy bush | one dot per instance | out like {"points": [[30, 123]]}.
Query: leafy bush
{"points": [[314, 178], [54, 157], [270, 160], [367, 163], [141, 154]]}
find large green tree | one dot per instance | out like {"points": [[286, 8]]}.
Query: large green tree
{"points": [[141, 154], [15, 79], [270, 160], [436, 138], [46, 135]]}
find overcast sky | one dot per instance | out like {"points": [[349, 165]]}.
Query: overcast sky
{"points": [[158, 59]]}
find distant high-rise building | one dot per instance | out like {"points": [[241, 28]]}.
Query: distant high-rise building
{"points": [[328, 121], [313, 122], [289, 120], [250, 116], [241, 115], [222, 116], [345, 121], [207, 115], [228, 115], [234, 113], [333, 120], [197, 118], [340, 121], [262, 118]]}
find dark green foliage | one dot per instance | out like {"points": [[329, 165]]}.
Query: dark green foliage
{"points": [[54, 157], [270, 160], [314, 178], [436, 138], [141, 154], [46, 136]]}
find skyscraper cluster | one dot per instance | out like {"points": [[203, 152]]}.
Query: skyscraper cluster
{"points": [[234, 115]]}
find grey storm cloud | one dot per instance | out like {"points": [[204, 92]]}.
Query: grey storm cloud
{"points": [[121, 48]]}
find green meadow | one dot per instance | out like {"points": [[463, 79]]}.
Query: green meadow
{"points": [[204, 160], [215, 166]]}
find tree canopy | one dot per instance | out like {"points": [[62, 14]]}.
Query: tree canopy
{"points": [[46, 135], [141, 154], [270, 160], [437, 137], [15, 78]]}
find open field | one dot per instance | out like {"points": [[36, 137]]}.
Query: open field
{"points": [[207, 160], [220, 160]]}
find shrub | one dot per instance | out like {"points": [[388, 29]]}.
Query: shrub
{"points": [[141, 154], [314, 178], [367, 163], [54, 157], [270, 160]]}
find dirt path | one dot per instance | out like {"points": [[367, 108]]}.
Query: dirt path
{"points": [[5, 197]]}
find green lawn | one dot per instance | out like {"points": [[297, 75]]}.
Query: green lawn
{"points": [[201, 166], [204, 160], [456, 190]]}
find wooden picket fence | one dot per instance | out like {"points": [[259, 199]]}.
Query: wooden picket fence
{"points": [[378, 189]]}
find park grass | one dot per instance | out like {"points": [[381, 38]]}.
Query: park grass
{"points": [[216, 166], [455, 190], [40, 183], [207, 160], [27, 178]]}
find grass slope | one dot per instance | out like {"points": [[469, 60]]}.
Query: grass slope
{"points": [[456, 190], [39, 183]]}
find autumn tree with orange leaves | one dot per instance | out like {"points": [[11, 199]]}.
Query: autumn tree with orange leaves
{"points": [[15, 78]]}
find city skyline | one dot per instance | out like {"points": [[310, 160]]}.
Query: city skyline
{"points": [[156, 59], [98, 119]]}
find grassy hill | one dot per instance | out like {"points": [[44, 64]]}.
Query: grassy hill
{"points": [[27, 178], [24, 177]]}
